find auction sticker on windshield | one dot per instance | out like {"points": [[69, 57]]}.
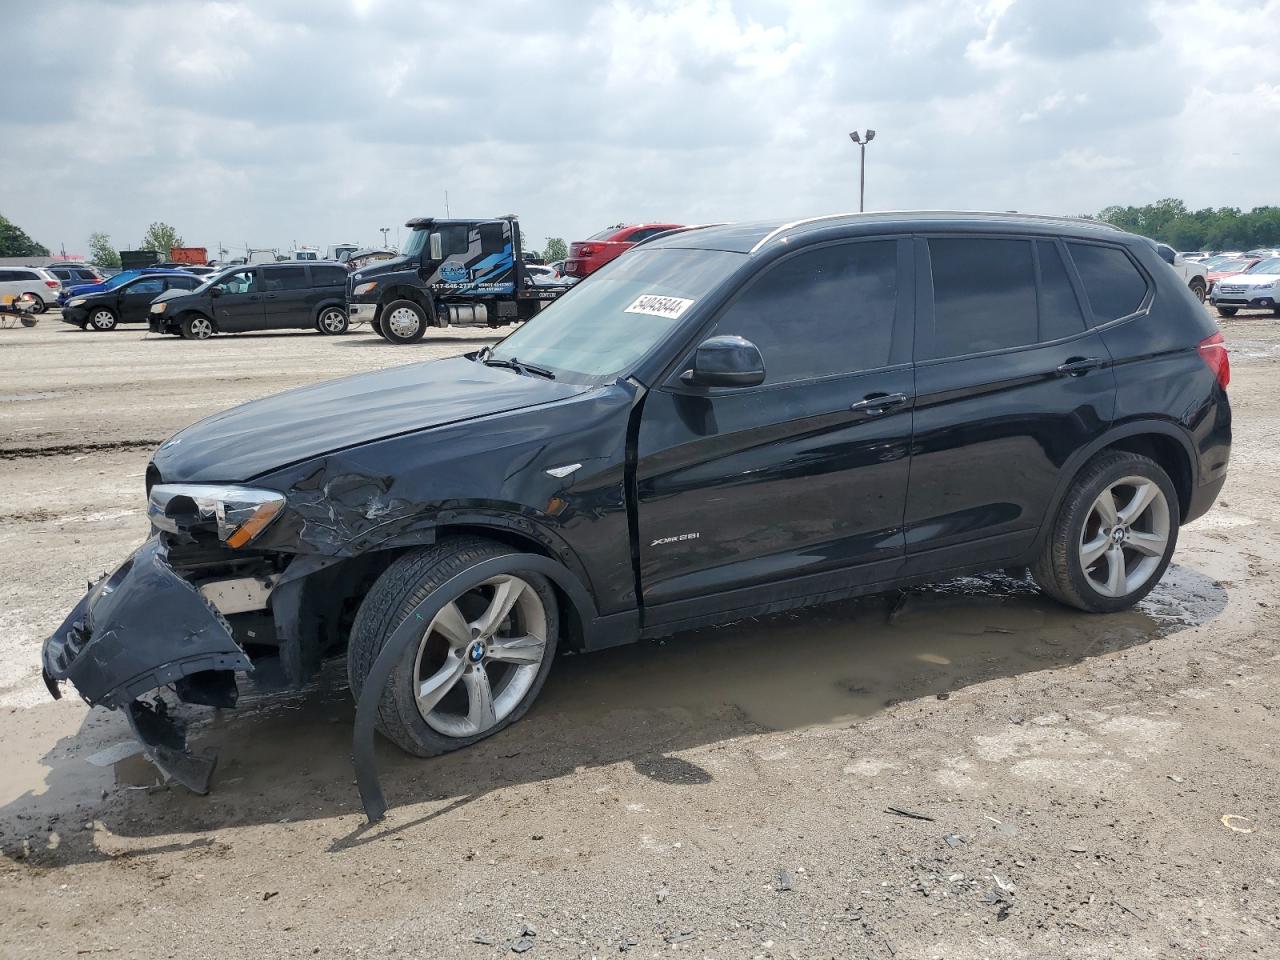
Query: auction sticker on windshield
{"points": [[659, 306]]}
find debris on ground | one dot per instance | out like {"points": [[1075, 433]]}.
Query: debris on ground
{"points": [[909, 813]]}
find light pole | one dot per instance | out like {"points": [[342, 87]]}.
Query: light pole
{"points": [[862, 142], [385, 231]]}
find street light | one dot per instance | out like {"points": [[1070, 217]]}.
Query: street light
{"points": [[385, 231], [862, 142]]}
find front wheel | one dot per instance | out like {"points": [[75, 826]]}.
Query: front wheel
{"points": [[403, 321], [332, 321], [102, 319], [196, 327], [476, 668], [1113, 537], [1227, 311]]}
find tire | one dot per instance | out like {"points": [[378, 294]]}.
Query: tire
{"points": [[1129, 558], [405, 584], [332, 321], [1197, 287], [196, 326], [102, 319], [376, 326], [1227, 311], [40, 305], [403, 321]]}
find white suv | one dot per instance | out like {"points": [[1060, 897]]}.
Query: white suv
{"points": [[38, 282], [1256, 288]]}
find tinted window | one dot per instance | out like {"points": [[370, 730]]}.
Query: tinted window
{"points": [[1113, 284], [284, 278], [1060, 314], [181, 283], [151, 285], [453, 239], [492, 239], [984, 296], [63, 275], [87, 275], [645, 234], [329, 276], [23, 275], [821, 312], [7, 275]]}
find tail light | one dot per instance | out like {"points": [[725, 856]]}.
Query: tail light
{"points": [[586, 251], [52, 284], [1213, 351]]}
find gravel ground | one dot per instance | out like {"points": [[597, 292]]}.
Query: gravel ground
{"points": [[963, 771]]}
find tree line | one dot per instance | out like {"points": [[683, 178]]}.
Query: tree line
{"points": [[1220, 228]]}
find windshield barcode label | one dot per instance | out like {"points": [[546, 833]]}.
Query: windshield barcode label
{"points": [[658, 306]]}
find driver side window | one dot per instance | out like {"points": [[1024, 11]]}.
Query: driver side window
{"points": [[239, 282], [152, 286]]}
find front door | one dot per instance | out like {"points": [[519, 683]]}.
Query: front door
{"points": [[796, 487], [237, 302], [1010, 381], [134, 299]]}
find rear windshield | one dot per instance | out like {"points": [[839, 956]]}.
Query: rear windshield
{"points": [[604, 234], [612, 319]]}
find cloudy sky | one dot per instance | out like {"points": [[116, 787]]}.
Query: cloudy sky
{"points": [[315, 121]]}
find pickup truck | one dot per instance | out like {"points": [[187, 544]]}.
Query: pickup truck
{"points": [[1193, 274]]}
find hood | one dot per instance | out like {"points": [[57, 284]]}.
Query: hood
{"points": [[379, 267], [81, 289], [265, 435], [171, 295], [1249, 279]]}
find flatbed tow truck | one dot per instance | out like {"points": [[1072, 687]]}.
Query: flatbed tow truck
{"points": [[450, 273]]}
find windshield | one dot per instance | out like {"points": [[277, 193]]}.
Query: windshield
{"points": [[1230, 266], [604, 234], [416, 243], [617, 315], [1270, 265]]}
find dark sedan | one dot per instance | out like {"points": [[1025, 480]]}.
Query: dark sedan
{"points": [[128, 303]]}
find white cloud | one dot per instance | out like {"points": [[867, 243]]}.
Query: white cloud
{"points": [[294, 121]]}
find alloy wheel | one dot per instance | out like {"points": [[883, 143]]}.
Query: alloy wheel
{"points": [[201, 328], [333, 321], [1125, 536], [480, 656]]}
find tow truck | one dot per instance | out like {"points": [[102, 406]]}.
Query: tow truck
{"points": [[450, 273]]}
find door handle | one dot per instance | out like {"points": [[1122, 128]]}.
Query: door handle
{"points": [[1078, 366], [269, 296], [877, 403]]}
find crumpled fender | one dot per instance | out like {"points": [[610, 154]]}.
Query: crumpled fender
{"points": [[141, 628]]}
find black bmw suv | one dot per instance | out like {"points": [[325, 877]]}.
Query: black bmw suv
{"points": [[724, 422]]}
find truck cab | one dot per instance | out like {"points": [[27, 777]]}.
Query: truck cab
{"points": [[450, 272]]}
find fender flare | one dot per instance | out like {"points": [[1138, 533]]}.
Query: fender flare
{"points": [[409, 630], [1077, 460]]}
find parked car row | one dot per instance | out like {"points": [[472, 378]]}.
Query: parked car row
{"points": [[1255, 288]]}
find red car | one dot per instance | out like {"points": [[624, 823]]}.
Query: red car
{"points": [[1229, 268], [588, 256]]}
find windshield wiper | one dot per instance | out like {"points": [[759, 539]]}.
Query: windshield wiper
{"points": [[517, 366]]}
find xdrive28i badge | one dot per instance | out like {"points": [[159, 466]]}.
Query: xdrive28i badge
{"points": [[676, 539]]}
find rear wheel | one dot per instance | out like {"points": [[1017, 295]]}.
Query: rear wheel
{"points": [[1227, 311], [196, 327], [403, 321], [1197, 287], [476, 668], [40, 305], [332, 321], [1113, 537], [102, 319]]}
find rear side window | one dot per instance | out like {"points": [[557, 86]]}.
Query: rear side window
{"points": [[492, 239], [329, 276], [822, 312], [1113, 284], [181, 283], [151, 285], [285, 278], [23, 275], [984, 296], [453, 239], [1060, 314]]}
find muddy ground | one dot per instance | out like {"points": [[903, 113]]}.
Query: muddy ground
{"points": [[963, 771]]}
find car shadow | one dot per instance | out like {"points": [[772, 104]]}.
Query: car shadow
{"points": [[287, 757], [373, 340]]}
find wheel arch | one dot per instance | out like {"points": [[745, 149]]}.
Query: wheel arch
{"points": [[1166, 443], [404, 291], [325, 304]]}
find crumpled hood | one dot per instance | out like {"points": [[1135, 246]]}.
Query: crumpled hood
{"points": [[265, 435]]}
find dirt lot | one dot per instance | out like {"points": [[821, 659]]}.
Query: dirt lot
{"points": [[965, 771]]}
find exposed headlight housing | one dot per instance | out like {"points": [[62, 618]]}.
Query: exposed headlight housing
{"points": [[158, 307], [364, 288], [236, 514], [77, 302]]}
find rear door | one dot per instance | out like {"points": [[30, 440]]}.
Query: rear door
{"points": [[133, 300], [286, 291], [1010, 381], [237, 302], [796, 486]]}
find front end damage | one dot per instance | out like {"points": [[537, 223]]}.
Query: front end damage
{"points": [[141, 629]]}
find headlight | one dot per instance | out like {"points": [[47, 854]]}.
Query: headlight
{"points": [[1261, 286], [77, 302], [158, 307], [365, 288], [238, 514]]}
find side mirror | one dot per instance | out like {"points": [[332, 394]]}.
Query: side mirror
{"points": [[436, 247], [725, 361], [215, 291]]}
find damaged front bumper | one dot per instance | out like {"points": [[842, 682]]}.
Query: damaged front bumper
{"points": [[142, 628]]}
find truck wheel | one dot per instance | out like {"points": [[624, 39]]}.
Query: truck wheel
{"points": [[403, 321], [376, 325], [196, 327], [1227, 311], [1197, 287], [476, 668], [332, 321]]}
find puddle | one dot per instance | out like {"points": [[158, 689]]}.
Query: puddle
{"points": [[289, 755]]}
